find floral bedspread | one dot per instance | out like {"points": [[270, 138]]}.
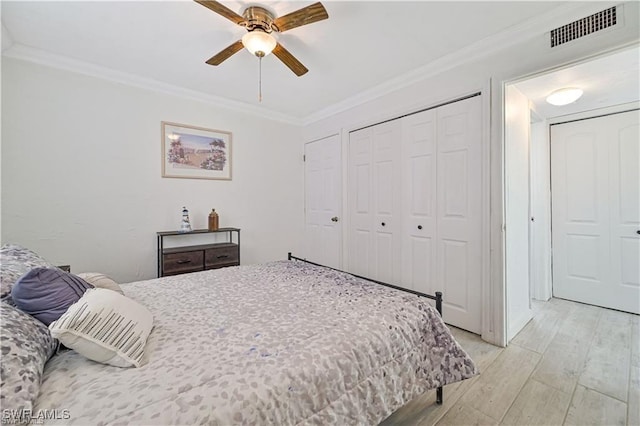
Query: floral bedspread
{"points": [[282, 343]]}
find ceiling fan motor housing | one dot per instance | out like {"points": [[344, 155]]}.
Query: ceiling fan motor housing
{"points": [[257, 17]]}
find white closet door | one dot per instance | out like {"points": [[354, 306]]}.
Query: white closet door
{"points": [[415, 211], [361, 253], [374, 201], [419, 201], [459, 212], [386, 201], [595, 211], [323, 201]]}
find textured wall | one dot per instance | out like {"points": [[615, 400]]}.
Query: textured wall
{"points": [[81, 173]]}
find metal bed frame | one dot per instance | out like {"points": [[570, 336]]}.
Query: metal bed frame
{"points": [[437, 298]]}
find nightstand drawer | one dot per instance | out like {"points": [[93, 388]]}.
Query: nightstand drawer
{"points": [[179, 263], [223, 251], [222, 255]]}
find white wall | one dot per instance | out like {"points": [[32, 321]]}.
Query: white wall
{"points": [[485, 74], [516, 159], [81, 173]]}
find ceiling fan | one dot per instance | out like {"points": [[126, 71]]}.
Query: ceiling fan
{"points": [[260, 24]]}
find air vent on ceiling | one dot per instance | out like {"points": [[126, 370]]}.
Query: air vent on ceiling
{"points": [[585, 26]]}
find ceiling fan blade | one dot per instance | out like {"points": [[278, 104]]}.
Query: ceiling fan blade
{"points": [[306, 15], [289, 60], [221, 9], [226, 53]]}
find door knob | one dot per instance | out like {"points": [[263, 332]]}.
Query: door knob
{"points": [[419, 226], [383, 224], [638, 232], [334, 219]]}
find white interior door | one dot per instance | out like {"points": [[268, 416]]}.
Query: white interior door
{"points": [[517, 210], [419, 201], [624, 199], [459, 212], [323, 202], [415, 206], [374, 202], [386, 143], [596, 211], [361, 256]]}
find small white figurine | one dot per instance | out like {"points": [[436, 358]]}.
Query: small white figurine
{"points": [[185, 225]]}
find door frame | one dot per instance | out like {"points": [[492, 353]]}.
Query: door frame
{"points": [[539, 287]]}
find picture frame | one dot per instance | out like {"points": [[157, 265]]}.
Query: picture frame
{"points": [[191, 152]]}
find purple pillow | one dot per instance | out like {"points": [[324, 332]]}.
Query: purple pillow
{"points": [[47, 293]]}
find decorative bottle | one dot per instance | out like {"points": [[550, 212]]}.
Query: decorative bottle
{"points": [[213, 220], [185, 225]]}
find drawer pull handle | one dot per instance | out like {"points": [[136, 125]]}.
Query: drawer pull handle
{"points": [[383, 224], [183, 261], [419, 226], [222, 256]]}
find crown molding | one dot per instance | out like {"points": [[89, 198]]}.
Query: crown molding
{"points": [[520, 33], [38, 56], [487, 46]]}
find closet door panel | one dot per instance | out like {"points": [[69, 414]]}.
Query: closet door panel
{"points": [[386, 201], [415, 206], [361, 255], [418, 201], [459, 212], [455, 267]]}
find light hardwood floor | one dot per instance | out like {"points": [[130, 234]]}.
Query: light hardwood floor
{"points": [[573, 364]]}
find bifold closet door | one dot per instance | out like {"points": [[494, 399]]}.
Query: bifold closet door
{"points": [[415, 206], [419, 178], [442, 208], [459, 212], [374, 202]]}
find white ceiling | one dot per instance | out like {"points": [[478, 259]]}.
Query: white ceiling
{"points": [[606, 81], [361, 46]]}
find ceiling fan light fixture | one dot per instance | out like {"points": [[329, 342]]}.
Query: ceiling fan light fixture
{"points": [[259, 43], [564, 96]]}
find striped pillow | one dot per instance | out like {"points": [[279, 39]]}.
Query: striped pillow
{"points": [[106, 327]]}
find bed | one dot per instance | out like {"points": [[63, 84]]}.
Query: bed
{"points": [[286, 342]]}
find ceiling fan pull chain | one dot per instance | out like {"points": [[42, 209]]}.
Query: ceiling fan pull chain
{"points": [[260, 79]]}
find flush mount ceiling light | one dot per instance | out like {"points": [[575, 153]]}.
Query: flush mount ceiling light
{"points": [[564, 96], [259, 43]]}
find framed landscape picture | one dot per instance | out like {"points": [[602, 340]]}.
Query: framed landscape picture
{"points": [[195, 152]]}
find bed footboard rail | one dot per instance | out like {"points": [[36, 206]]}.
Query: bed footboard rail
{"points": [[437, 298]]}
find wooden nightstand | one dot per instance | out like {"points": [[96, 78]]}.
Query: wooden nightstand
{"points": [[193, 258]]}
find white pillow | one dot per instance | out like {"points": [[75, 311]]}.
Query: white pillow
{"points": [[99, 280], [106, 327]]}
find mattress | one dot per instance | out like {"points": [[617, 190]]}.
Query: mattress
{"points": [[283, 343]]}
